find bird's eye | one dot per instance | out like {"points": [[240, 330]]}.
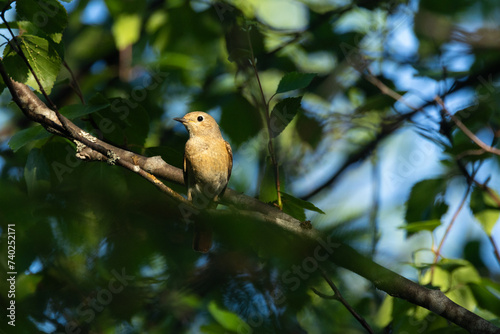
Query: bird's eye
{"points": [[200, 118]]}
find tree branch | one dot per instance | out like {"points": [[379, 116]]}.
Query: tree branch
{"points": [[466, 130], [338, 296], [400, 287]]}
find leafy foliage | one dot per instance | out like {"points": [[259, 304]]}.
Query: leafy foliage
{"points": [[357, 132]]}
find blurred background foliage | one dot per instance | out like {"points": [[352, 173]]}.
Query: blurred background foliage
{"points": [[99, 250]]}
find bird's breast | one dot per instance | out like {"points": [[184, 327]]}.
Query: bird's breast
{"points": [[208, 161]]}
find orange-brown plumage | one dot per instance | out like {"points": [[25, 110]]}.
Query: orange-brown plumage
{"points": [[208, 161]]}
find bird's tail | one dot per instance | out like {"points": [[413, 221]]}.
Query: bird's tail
{"points": [[202, 241]]}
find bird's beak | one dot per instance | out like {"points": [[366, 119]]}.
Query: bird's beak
{"points": [[182, 120]]}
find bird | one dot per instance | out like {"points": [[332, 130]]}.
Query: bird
{"points": [[208, 162]]}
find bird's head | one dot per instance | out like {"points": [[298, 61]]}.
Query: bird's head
{"points": [[199, 123]]}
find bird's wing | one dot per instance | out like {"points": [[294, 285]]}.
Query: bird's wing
{"points": [[230, 158], [185, 170]]}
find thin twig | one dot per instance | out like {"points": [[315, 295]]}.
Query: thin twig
{"points": [[437, 253], [466, 153], [265, 106], [495, 248], [338, 296], [74, 83], [466, 130], [20, 52], [375, 202], [388, 91]]}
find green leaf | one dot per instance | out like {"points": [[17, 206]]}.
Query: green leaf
{"points": [[300, 203], [283, 113], [78, 110], [293, 210], [26, 285], [295, 206], [485, 295], [267, 191], [48, 17], [2, 85], [428, 225], [485, 209], [309, 130], [451, 265], [127, 30], [123, 121], [42, 57], [384, 313], [238, 118], [23, 137], [426, 202], [446, 266], [293, 81], [228, 320], [37, 173]]}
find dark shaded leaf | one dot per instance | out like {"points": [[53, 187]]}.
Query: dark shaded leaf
{"points": [[48, 17], [485, 298], [283, 113], [37, 173], [426, 202], [293, 81], [23, 137], [485, 209], [123, 122], [239, 119], [309, 129], [300, 203], [78, 110]]}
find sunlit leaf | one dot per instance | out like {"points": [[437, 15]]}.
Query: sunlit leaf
{"points": [[26, 285], [126, 30], [43, 58], [267, 191], [428, 225], [226, 319], [485, 209]]}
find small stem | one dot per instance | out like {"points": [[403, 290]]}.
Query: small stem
{"points": [[338, 296], [466, 130], [437, 253], [74, 84], [23, 57], [265, 107], [375, 202], [387, 91], [495, 248]]}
